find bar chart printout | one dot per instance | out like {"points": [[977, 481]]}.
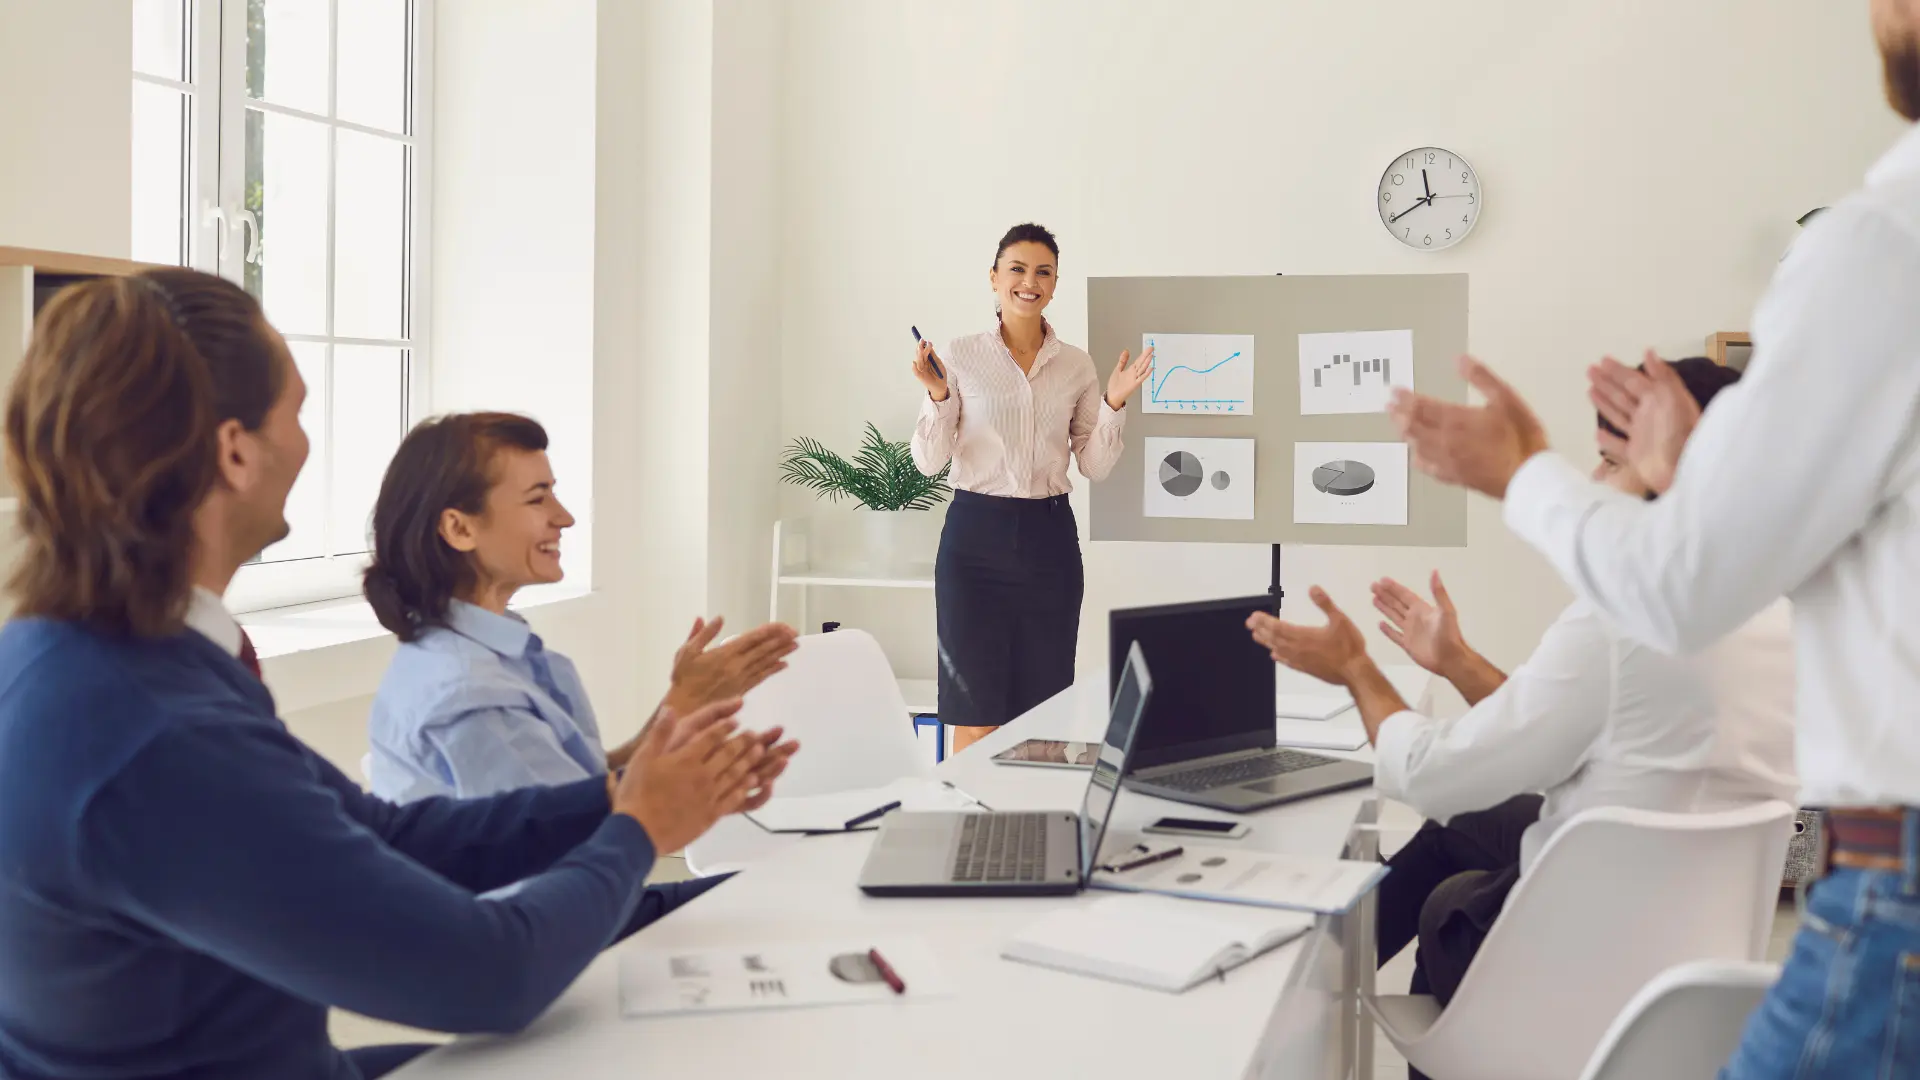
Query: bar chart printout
{"points": [[1353, 372], [1199, 374]]}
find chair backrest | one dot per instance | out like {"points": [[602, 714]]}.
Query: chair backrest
{"points": [[1616, 897], [1685, 1024], [838, 696]]}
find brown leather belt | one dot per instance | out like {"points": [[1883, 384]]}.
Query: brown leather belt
{"points": [[1866, 838]]}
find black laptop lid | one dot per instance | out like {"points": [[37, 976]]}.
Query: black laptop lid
{"points": [[1213, 684]]}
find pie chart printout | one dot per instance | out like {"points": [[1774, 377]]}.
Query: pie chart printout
{"points": [[1198, 478], [1350, 483], [1180, 474], [1344, 478]]}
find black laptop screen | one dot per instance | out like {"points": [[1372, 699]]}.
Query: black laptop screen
{"points": [[1214, 685]]}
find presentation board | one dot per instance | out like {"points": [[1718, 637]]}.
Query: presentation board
{"points": [[1262, 421]]}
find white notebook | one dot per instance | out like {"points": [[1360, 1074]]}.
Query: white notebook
{"points": [[1311, 706], [1157, 942]]}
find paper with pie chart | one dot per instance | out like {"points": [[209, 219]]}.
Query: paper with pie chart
{"points": [[1361, 483], [1199, 478]]}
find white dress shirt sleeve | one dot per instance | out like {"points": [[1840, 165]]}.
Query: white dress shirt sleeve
{"points": [[1530, 734], [1785, 467], [934, 433], [1094, 432]]}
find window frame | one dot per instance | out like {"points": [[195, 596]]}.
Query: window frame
{"points": [[217, 236]]}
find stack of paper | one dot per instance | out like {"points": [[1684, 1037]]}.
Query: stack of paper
{"points": [[1154, 941], [859, 809]]}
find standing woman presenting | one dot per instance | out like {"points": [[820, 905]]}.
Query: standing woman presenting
{"points": [[1006, 407]]}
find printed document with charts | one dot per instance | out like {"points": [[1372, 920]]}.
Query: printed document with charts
{"points": [[678, 980], [1158, 942], [1233, 876]]}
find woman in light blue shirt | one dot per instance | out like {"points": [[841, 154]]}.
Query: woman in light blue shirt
{"points": [[474, 703]]}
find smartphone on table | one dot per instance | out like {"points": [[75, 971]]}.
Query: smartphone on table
{"points": [[1217, 830]]}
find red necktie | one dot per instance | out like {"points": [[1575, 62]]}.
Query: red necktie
{"points": [[248, 658]]}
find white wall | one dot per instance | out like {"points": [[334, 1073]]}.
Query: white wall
{"points": [[1643, 160], [511, 322], [744, 378], [651, 285], [66, 135]]}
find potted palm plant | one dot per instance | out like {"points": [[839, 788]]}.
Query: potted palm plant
{"points": [[880, 478]]}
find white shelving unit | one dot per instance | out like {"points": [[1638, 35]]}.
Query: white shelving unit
{"points": [[793, 566]]}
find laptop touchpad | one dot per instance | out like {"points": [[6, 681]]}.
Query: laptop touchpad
{"points": [[1264, 787]]}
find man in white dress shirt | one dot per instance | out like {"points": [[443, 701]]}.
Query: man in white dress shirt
{"points": [[1803, 481], [1591, 719]]}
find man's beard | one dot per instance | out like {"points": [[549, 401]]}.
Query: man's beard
{"points": [[1902, 63]]}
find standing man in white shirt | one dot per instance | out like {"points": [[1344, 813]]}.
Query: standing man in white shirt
{"points": [[1803, 481], [1591, 719]]}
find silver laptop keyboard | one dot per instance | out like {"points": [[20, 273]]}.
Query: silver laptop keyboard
{"points": [[1002, 847], [1246, 770]]}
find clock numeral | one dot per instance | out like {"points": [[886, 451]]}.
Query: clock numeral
{"points": [[1463, 220], [1409, 162], [1407, 232], [1449, 234], [1449, 161], [1429, 240], [1398, 179], [1386, 196], [1471, 199], [1432, 157], [1466, 178]]}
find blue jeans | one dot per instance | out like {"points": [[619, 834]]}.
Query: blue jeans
{"points": [[1848, 1000]]}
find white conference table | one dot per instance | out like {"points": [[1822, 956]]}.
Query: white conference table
{"points": [[1291, 1013]]}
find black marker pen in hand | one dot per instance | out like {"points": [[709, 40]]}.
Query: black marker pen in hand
{"points": [[931, 362]]}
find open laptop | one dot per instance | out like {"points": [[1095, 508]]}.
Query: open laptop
{"points": [[962, 853], [1208, 734]]}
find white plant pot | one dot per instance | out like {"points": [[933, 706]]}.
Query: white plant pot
{"points": [[884, 537]]}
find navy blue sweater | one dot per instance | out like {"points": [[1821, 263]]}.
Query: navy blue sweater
{"points": [[185, 887]]}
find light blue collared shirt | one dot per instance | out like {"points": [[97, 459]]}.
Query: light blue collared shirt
{"points": [[480, 707]]}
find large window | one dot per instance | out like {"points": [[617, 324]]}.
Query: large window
{"points": [[282, 144]]}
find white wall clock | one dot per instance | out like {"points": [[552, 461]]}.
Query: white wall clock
{"points": [[1429, 198]]}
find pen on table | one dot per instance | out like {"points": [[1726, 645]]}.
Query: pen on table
{"points": [[886, 971], [1149, 860], [872, 815], [955, 788], [935, 364]]}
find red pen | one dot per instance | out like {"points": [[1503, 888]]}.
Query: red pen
{"points": [[887, 973]]}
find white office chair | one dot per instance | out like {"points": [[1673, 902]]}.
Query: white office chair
{"points": [[838, 697], [1616, 897], [1685, 1024]]}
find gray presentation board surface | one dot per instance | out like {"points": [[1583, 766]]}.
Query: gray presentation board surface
{"points": [[1276, 311]]}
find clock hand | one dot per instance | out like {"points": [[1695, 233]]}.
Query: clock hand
{"points": [[1417, 204], [1424, 184]]}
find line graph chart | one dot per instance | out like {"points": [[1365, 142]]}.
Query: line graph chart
{"points": [[1200, 374]]}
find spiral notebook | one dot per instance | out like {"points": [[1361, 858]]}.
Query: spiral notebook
{"points": [[1158, 942]]}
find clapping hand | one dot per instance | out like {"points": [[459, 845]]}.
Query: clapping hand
{"points": [[703, 672], [687, 773], [1475, 446], [1653, 407], [1429, 632], [1128, 377], [1329, 653]]}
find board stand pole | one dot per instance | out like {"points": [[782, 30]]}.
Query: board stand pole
{"points": [[1279, 595]]}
